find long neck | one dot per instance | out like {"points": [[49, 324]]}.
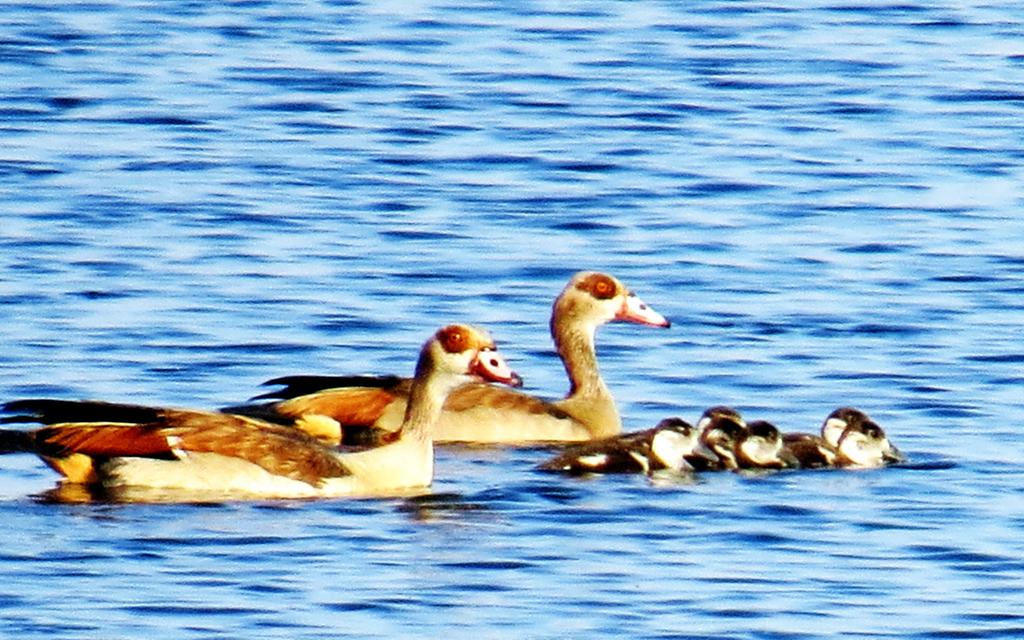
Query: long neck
{"points": [[575, 344], [426, 399], [589, 401]]}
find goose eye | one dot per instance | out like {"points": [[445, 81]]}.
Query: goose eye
{"points": [[600, 286], [453, 339]]}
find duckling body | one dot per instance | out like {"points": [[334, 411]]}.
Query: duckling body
{"points": [[664, 446], [809, 451], [849, 438], [721, 428]]}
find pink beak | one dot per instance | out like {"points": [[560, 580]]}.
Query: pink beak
{"points": [[636, 310], [490, 365]]}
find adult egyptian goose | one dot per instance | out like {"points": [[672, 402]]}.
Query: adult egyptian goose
{"points": [[664, 446], [195, 451], [849, 438], [334, 408]]}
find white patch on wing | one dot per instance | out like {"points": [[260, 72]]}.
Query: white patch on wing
{"points": [[174, 443], [829, 455], [323, 428], [642, 459], [725, 455], [594, 461]]}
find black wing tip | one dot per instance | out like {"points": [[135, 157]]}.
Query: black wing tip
{"points": [[50, 411], [17, 441], [302, 385], [30, 409]]}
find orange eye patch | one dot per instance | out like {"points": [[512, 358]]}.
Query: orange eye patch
{"points": [[455, 338], [600, 286]]}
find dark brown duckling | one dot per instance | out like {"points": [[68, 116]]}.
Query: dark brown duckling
{"points": [[864, 444], [664, 446], [721, 427], [761, 447], [809, 451], [849, 438]]}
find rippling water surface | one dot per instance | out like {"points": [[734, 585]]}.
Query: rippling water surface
{"points": [[824, 197]]}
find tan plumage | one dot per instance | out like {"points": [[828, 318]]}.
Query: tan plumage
{"points": [[179, 449], [475, 412]]}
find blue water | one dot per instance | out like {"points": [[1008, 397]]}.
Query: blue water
{"points": [[825, 198]]}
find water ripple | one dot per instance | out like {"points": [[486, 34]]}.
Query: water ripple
{"points": [[824, 199]]}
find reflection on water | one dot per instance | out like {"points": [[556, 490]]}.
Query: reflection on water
{"points": [[824, 199]]}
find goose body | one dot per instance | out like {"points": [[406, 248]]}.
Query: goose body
{"points": [[366, 408], [116, 445]]}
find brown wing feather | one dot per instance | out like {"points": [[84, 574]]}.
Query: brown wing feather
{"points": [[354, 406], [362, 406], [474, 395], [295, 386], [359, 410], [280, 450], [48, 411], [103, 440]]}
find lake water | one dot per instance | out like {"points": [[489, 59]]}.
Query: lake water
{"points": [[825, 198]]}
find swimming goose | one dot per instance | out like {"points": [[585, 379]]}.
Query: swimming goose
{"points": [[116, 445], [665, 446], [344, 407]]}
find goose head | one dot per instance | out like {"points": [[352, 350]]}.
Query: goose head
{"points": [[593, 299], [463, 353]]}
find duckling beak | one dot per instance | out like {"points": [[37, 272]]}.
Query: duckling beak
{"points": [[788, 459], [702, 451], [893, 455]]}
